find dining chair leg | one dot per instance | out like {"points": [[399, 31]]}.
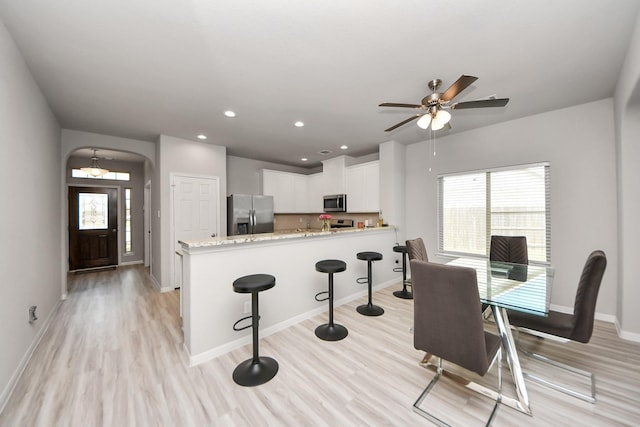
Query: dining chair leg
{"points": [[586, 374]]}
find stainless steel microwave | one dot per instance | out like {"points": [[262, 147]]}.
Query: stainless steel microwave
{"points": [[335, 203]]}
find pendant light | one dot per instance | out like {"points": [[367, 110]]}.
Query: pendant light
{"points": [[95, 170]]}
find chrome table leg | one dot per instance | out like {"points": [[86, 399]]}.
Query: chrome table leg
{"points": [[509, 345]]}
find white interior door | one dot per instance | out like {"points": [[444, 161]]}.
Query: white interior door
{"points": [[195, 214]]}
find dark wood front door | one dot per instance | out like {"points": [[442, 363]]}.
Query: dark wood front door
{"points": [[93, 230]]}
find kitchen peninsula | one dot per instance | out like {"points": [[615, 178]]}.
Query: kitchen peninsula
{"points": [[210, 307]]}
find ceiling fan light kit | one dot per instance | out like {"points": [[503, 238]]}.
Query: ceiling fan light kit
{"points": [[94, 169], [436, 103], [424, 121]]}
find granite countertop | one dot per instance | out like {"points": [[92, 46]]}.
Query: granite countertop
{"points": [[278, 235]]}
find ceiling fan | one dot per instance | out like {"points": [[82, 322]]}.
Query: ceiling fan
{"points": [[436, 104]]}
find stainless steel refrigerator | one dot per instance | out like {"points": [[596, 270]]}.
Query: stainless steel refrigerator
{"points": [[249, 214]]}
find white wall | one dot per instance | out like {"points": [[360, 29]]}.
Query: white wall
{"points": [[579, 143], [627, 107], [30, 215], [176, 155], [392, 187]]}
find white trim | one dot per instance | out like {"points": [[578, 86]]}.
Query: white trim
{"points": [[498, 169], [630, 336], [131, 263], [157, 284], [230, 346], [13, 381]]}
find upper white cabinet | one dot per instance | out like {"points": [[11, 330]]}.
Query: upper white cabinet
{"points": [[315, 191], [334, 175], [290, 191], [363, 187], [297, 193]]}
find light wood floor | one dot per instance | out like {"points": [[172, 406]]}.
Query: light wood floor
{"points": [[113, 357]]}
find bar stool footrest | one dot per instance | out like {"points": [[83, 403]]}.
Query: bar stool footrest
{"points": [[322, 293], [235, 325]]}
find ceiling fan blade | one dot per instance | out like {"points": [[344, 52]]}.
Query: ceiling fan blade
{"points": [[394, 104], [404, 122], [482, 103], [458, 86]]}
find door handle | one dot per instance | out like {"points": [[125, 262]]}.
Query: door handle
{"points": [[213, 235]]}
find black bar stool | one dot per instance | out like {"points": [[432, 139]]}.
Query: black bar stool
{"points": [[257, 370], [404, 293], [369, 309], [330, 331]]}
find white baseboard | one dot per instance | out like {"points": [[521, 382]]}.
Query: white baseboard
{"points": [[230, 346], [156, 283], [131, 263], [629, 336], [13, 381]]}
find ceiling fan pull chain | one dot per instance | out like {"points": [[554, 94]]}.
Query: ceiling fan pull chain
{"points": [[430, 149]]}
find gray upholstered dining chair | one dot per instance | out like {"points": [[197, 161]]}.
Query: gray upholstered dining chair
{"points": [[509, 249], [448, 324], [574, 327], [416, 249]]}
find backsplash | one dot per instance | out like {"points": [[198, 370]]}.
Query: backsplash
{"points": [[284, 222]]}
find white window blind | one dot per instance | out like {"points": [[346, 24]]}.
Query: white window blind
{"points": [[508, 202]]}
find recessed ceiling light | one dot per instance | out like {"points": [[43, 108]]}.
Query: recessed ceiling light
{"points": [[324, 152], [298, 124], [201, 136], [343, 147], [229, 113], [304, 159]]}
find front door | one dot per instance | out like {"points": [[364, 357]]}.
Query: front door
{"points": [[93, 230]]}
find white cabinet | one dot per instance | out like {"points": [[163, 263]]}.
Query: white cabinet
{"points": [[289, 190], [333, 175], [363, 187], [315, 191], [297, 193]]}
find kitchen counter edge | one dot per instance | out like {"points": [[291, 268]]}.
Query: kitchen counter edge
{"points": [[267, 237]]}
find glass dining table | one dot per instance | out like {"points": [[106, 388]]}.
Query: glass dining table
{"points": [[520, 287]]}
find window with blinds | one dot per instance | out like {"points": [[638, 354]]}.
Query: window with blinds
{"points": [[508, 202]]}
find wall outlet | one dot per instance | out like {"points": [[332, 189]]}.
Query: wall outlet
{"points": [[247, 307]]}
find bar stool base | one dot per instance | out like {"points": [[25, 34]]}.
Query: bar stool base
{"points": [[251, 373], [333, 332], [404, 294], [370, 310]]}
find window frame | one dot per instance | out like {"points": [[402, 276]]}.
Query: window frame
{"points": [[487, 172]]}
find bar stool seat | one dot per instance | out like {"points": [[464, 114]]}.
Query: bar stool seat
{"points": [[330, 331], [404, 293], [369, 309], [257, 370]]}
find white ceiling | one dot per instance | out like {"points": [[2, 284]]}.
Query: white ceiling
{"points": [[138, 69]]}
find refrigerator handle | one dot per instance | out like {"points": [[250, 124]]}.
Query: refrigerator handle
{"points": [[252, 220]]}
